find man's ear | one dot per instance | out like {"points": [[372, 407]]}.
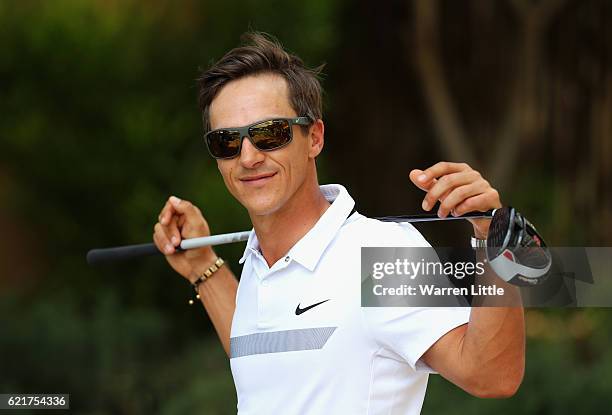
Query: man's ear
{"points": [[316, 138]]}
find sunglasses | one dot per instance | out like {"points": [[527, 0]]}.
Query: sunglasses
{"points": [[266, 135]]}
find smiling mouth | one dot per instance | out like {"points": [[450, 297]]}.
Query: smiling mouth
{"points": [[261, 178]]}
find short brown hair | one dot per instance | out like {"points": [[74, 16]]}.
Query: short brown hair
{"points": [[262, 53]]}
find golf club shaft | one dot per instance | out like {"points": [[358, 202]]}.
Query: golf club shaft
{"points": [[119, 253], [432, 217]]}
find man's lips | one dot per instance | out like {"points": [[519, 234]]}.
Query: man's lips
{"points": [[260, 178]]}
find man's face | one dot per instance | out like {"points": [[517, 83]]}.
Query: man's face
{"points": [[262, 181]]}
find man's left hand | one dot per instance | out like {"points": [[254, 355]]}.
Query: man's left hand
{"points": [[460, 189]]}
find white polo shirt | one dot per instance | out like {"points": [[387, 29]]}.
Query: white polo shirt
{"points": [[302, 344]]}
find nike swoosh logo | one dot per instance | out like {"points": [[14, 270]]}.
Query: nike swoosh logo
{"points": [[299, 310]]}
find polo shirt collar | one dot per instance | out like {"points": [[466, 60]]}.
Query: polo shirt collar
{"points": [[252, 247], [308, 250]]}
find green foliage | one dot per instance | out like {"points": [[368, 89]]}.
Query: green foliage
{"points": [[111, 359], [567, 372]]}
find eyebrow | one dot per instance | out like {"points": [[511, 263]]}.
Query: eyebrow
{"points": [[273, 117]]}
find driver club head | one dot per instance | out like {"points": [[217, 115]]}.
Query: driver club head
{"points": [[515, 250]]}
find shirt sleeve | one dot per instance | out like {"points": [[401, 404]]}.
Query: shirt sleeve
{"points": [[408, 332]]}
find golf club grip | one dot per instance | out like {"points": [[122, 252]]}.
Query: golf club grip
{"points": [[120, 253]]}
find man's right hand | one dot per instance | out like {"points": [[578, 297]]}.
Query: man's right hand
{"points": [[180, 219]]}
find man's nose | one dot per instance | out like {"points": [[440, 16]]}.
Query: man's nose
{"points": [[250, 156]]}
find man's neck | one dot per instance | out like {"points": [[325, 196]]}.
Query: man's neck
{"points": [[278, 232]]}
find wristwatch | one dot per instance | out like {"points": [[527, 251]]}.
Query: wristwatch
{"points": [[478, 243]]}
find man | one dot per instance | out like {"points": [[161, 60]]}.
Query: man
{"points": [[298, 339]]}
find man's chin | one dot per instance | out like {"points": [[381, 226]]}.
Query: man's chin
{"points": [[261, 208]]}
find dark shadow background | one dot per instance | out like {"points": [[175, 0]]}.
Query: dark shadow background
{"points": [[99, 125]]}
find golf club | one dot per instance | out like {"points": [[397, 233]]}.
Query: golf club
{"points": [[120, 253], [515, 250]]}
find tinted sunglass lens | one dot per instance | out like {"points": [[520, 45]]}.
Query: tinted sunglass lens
{"points": [[223, 143], [270, 135]]}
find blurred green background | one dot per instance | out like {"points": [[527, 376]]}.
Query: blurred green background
{"points": [[99, 125]]}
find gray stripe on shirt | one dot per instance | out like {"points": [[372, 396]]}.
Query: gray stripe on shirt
{"points": [[280, 341]]}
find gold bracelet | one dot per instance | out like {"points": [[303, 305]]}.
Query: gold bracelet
{"points": [[206, 275]]}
